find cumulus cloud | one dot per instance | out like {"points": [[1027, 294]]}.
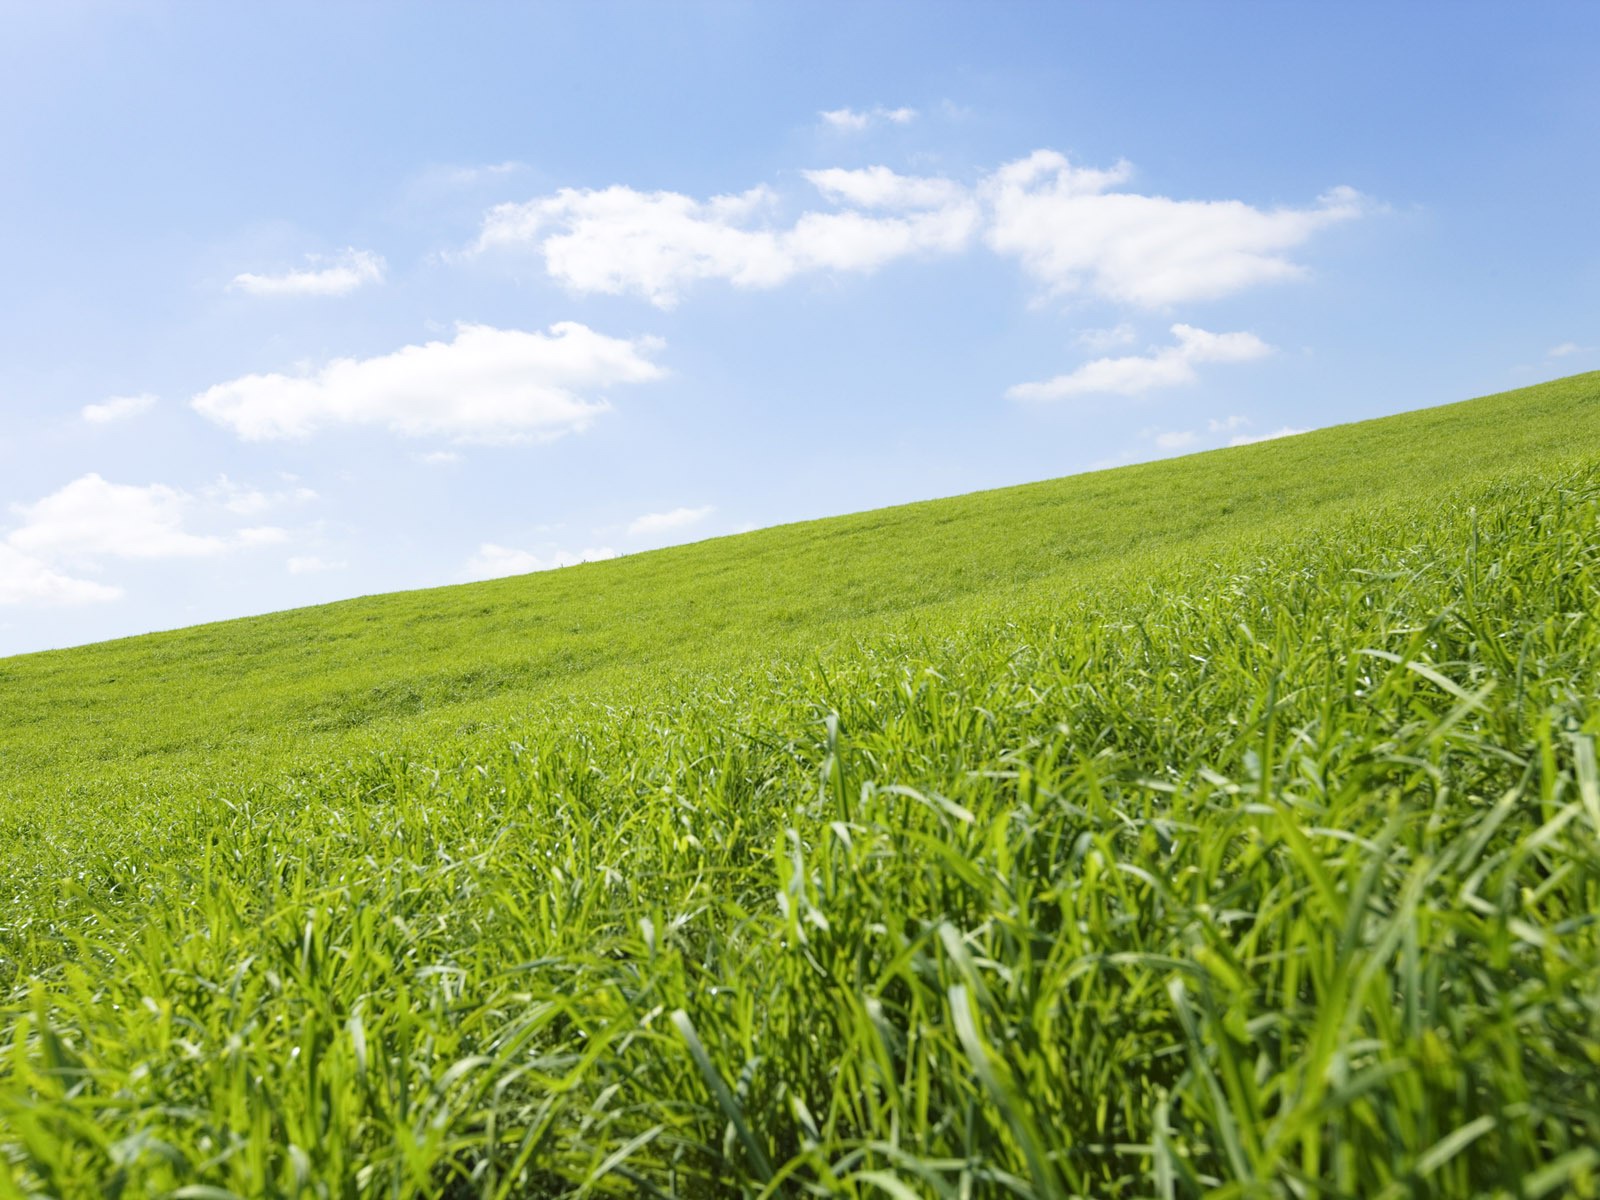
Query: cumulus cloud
{"points": [[25, 579], [338, 276], [654, 244], [1286, 431], [850, 120], [118, 408], [1073, 229], [663, 522], [1169, 366], [492, 561], [485, 385], [1073, 232], [91, 520]]}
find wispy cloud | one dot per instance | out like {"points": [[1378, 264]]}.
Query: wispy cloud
{"points": [[1169, 366], [338, 276], [118, 408], [485, 385], [851, 120], [246, 501], [663, 522], [466, 177], [309, 564], [1101, 340], [1567, 348]]}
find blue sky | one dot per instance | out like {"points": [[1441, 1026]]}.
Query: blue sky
{"points": [[312, 301]]}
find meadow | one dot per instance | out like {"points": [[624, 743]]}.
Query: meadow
{"points": [[1225, 826]]}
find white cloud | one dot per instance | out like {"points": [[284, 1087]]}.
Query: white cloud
{"points": [[661, 522], [1070, 227], [492, 561], [1169, 366], [25, 579], [118, 408], [486, 385], [464, 177], [310, 563], [1071, 232], [1566, 348], [91, 518], [438, 458], [618, 240], [850, 120], [1178, 439], [339, 277], [847, 120], [879, 187], [1286, 431], [654, 244]]}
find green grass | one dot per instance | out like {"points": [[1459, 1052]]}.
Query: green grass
{"points": [[1224, 826]]}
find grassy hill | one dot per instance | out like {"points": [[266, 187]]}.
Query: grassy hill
{"points": [[1227, 825]]}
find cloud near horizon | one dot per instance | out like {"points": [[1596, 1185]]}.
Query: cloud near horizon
{"points": [[90, 520], [1072, 229], [1250, 440], [484, 385], [25, 579], [1168, 366], [1567, 348], [662, 522], [494, 562]]}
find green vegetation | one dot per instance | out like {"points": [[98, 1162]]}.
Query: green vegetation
{"points": [[1224, 826]]}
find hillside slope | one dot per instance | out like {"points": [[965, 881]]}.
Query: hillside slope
{"points": [[291, 687], [1225, 827]]}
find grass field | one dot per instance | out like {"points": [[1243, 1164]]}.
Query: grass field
{"points": [[1223, 826]]}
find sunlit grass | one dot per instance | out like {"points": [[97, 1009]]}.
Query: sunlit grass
{"points": [[1259, 856]]}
